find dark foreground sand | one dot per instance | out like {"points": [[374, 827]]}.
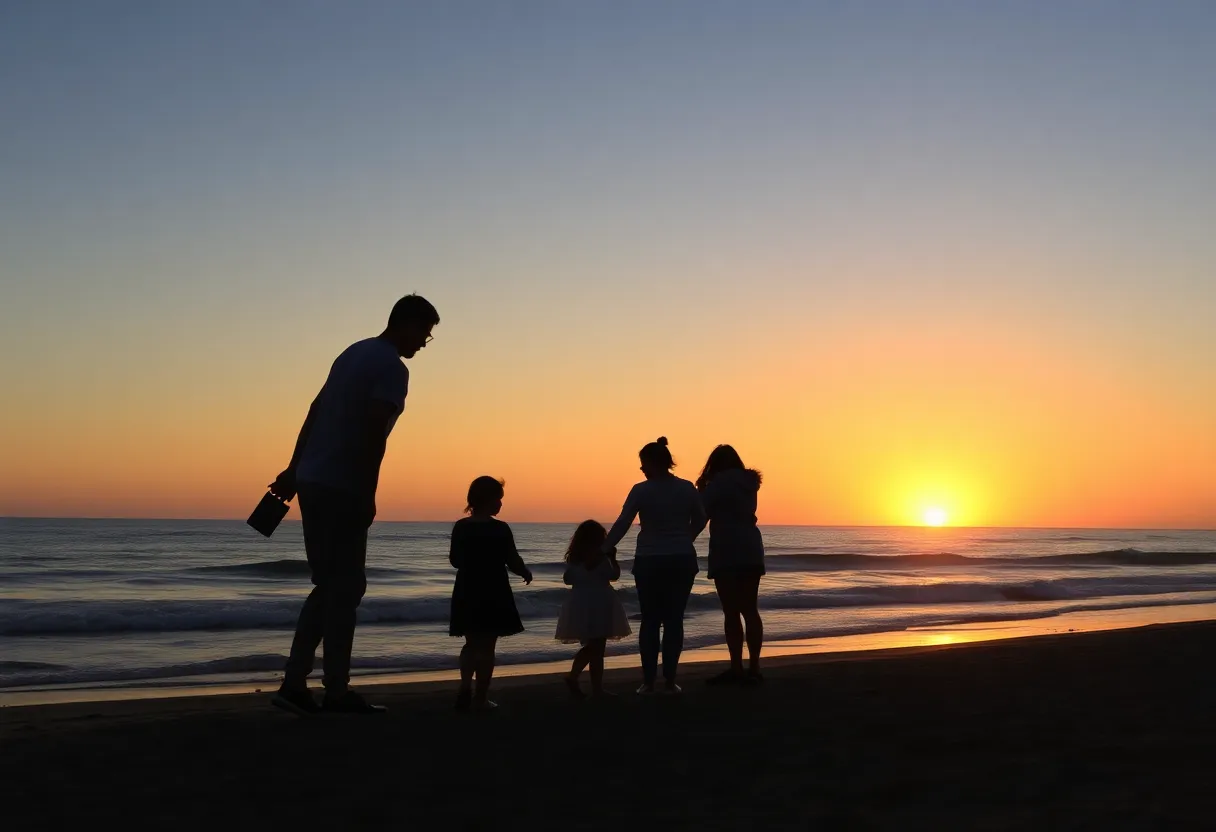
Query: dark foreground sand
{"points": [[1109, 730]]}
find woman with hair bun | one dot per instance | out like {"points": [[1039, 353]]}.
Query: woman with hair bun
{"points": [[664, 563]]}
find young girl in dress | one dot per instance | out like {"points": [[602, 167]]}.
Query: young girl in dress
{"points": [[592, 613], [483, 606]]}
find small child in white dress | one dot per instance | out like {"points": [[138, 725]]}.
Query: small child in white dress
{"points": [[592, 613]]}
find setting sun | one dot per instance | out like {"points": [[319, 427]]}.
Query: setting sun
{"points": [[935, 517]]}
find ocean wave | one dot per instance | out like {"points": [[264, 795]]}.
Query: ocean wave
{"points": [[976, 592], [40, 618], [30, 618], [291, 568], [806, 561], [283, 568], [254, 665], [1127, 557], [269, 665], [60, 675], [9, 667]]}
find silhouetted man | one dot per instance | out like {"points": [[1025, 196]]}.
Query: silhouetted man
{"points": [[335, 470]]}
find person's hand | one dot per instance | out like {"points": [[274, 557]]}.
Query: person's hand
{"points": [[611, 553], [527, 576], [284, 486]]}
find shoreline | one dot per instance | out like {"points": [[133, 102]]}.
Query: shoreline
{"points": [[545, 680], [1094, 730], [855, 647], [241, 518]]}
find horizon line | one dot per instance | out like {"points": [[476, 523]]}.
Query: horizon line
{"points": [[576, 522]]}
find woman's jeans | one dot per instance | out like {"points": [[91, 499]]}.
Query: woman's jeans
{"points": [[663, 584]]}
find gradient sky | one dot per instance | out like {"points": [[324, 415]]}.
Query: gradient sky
{"points": [[901, 255]]}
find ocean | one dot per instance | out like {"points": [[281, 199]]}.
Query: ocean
{"points": [[136, 602]]}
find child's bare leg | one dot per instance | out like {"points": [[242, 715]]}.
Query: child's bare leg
{"points": [[468, 664], [581, 659], [485, 666], [597, 646]]}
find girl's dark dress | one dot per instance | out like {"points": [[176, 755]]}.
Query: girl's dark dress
{"points": [[482, 601]]}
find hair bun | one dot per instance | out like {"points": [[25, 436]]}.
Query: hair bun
{"points": [[663, 441]]}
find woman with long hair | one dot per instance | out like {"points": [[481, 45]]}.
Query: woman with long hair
{"points": [[729, 492]]}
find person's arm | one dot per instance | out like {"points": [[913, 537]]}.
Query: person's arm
{"points": [[699, 517], [284, 486], [620, 528], [514, 562], [616, 567], [387, 402], [375, 441], [456, 550]]}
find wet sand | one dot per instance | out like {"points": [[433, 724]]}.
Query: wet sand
{"points": [[1109, 730]]}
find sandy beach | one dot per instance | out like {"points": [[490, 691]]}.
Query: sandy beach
{"points": [[1093, 730]]}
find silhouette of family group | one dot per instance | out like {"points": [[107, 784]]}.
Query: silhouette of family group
{"points": [[334, 472]]}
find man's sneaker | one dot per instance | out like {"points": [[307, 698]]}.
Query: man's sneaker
{"points": [[297, 701], [349, 703]]}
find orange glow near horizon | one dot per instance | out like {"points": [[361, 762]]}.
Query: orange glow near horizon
{"points": [[854, 441]]}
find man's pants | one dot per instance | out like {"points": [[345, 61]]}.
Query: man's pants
{"points": [[335, 540]]}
